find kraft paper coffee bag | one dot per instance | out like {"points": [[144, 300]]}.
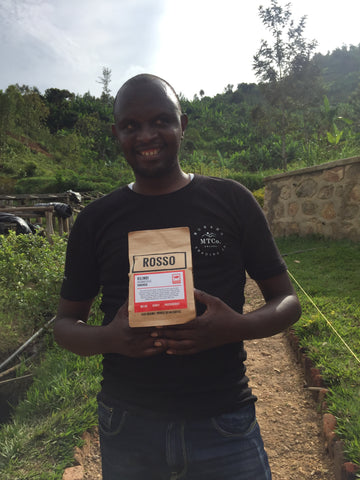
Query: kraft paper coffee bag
{"points": [[161, 288]]}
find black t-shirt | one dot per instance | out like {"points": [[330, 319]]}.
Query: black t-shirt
{"points": [[229, 236]]}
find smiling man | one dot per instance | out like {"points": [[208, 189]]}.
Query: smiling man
{"points": [[175, 401], [149, 126]]}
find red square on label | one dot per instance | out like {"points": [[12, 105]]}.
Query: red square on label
{"points": [[176, 278]]}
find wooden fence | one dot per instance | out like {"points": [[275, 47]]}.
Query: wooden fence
{"points": [[24, 206], [28, 199], [43, 216]]}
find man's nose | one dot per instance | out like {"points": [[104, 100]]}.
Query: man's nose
{"points": [[146, 133]]}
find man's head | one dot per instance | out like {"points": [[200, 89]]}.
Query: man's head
{"points": [[145, 79], [149, 125]]}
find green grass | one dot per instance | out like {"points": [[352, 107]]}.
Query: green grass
{"points": [[59, 406], [328, 271]]}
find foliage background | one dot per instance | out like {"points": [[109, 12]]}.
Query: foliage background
{"points": [[59, 140]]}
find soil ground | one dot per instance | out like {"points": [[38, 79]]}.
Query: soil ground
{"points": [[287, 413]]}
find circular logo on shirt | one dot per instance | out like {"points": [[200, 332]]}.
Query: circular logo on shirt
{"points": [[208, 240]]}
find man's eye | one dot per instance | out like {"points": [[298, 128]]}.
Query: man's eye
{"points": [[161, 122], [128, 127]]}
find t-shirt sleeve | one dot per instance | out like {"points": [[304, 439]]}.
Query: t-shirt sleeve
{"points": [[81, 276], [262, 257]]}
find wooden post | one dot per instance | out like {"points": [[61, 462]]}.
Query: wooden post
{"points": [[49, 229], [61, 226]]}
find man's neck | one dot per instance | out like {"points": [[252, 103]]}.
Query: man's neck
{"points": [[161, 186]]}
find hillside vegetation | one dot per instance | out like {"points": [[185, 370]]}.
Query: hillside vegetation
{"points": [[57, 140]]}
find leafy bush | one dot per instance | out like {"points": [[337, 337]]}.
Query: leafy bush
{"points": [[35, 184], [259, 195], [6, 185], [60, 183], [31, 271], [252, 181]]}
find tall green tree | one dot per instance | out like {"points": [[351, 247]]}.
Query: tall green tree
{"points": [[279, 63], [25, 110], [62, 115], [5, 110], [105, 80]]}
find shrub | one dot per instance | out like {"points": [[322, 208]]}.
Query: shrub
{"points": [[31, 270], [259, 195], [252, 181], [7, 185]]}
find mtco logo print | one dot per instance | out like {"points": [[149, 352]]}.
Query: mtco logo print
{"points": [[208, 240]]}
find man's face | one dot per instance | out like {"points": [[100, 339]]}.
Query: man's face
{"points": [[149, 127]]}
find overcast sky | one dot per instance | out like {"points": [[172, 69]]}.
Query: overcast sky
{"points": [[194, 44]]}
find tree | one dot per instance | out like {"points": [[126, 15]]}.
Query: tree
{"points": [[25, 111], [286, 55], [62, 115], [105, 81], [5, 118], [279, 63], [355, 105]]}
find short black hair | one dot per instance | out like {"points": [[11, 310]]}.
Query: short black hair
{"points": [[141, 78]]}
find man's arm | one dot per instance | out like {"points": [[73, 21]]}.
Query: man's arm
{"points": [[73, 333], [221, 325], [282, 309]]}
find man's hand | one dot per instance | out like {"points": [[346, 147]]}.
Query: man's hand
{"points": [[211, 329], [72, 332], [132, 342], [220, 324], [217, 326]]}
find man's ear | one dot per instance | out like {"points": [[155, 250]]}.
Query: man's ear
{"points": [[116, 137], [184, 122]]}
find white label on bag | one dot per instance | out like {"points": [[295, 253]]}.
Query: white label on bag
{"points": [[159, 291]]}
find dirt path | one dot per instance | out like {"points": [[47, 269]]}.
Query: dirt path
{"points": [[287, 414]]}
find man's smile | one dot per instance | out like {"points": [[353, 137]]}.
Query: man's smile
{"points": [[150, 152]]}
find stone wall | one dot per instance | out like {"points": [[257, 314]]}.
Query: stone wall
{"points": [[324, 200]]}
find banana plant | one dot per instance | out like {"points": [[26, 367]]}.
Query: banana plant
{"points": [[336, 134]]}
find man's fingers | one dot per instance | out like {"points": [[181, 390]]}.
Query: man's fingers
{"points": [[204, 297], [183, 347], [149, 347], [150, 352], [200, 296], [173, 334]]}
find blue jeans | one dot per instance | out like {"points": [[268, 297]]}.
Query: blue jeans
{"points": [[143, 445]]}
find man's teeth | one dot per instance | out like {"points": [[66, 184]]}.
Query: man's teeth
{"points": [[150, 153]]}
